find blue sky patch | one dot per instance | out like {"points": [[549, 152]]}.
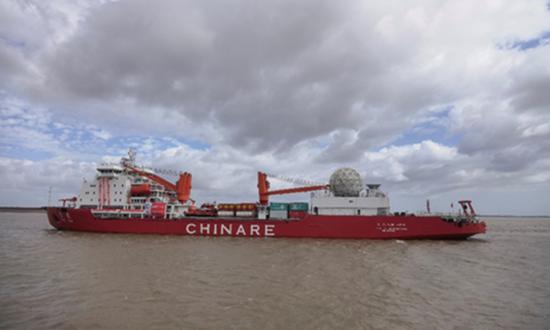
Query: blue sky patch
{"points": [[11, 151], [12, 42], [435, 128], [35, 133], [427, 131], [543, 39]]}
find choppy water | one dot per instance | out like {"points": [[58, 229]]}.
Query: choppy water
{"points": [[52, 279]]}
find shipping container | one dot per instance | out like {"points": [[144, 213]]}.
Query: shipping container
{"points": [[298, 206], [226, 207], [278, 206], [224, 213], [247, 206], [237, 207], [245, 213], [297, 214], [278, 214]]}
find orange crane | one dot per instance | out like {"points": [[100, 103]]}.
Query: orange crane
{"points": [[264, 192], [182, 186]]}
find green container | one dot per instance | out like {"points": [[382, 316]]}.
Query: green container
{"points": [[278, 206], [299, 206]]}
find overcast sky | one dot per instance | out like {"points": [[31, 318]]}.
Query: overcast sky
{"points": [[433, 99]]}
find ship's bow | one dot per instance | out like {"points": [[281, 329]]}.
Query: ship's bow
{"points": [[58, 217]]}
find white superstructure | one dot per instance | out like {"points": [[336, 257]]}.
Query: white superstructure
{"points": [[111, 188], [348, 196], [125, 187], [369, 202]]}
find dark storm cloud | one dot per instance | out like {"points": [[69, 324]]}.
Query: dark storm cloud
{"points": [[12, 65], [533, 93]]}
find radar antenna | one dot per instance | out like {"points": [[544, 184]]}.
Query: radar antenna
{"points": [[131, 159], [132, 155]]}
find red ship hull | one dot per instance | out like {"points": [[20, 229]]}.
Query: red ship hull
{"points": [[314, 226]]}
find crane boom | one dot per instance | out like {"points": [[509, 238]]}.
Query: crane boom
{"points": [[163, 182], [296, 190], [264, 192]]}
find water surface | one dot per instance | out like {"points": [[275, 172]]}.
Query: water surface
{"points": [[53, 279]]}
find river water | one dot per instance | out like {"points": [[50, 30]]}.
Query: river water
{"points": [[53, 279]]}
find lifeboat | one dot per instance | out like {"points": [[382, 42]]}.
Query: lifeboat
{"points": [[141, 189]]}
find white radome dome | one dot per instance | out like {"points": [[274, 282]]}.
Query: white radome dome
{"points": [[346, 182]]}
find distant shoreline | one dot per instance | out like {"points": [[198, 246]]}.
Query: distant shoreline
{"points": [[22, 209]]}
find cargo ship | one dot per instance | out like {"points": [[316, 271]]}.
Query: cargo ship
{"points": [[127, 198]]}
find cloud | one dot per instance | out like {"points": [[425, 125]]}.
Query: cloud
{"points": [[27, 182], [269, 78], [426, 97]]}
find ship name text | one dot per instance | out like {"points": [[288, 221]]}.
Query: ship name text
{"points": [[225, 229]]}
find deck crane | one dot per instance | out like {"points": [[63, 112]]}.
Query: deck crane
{"points": [[264, 192], [182, 186]]}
